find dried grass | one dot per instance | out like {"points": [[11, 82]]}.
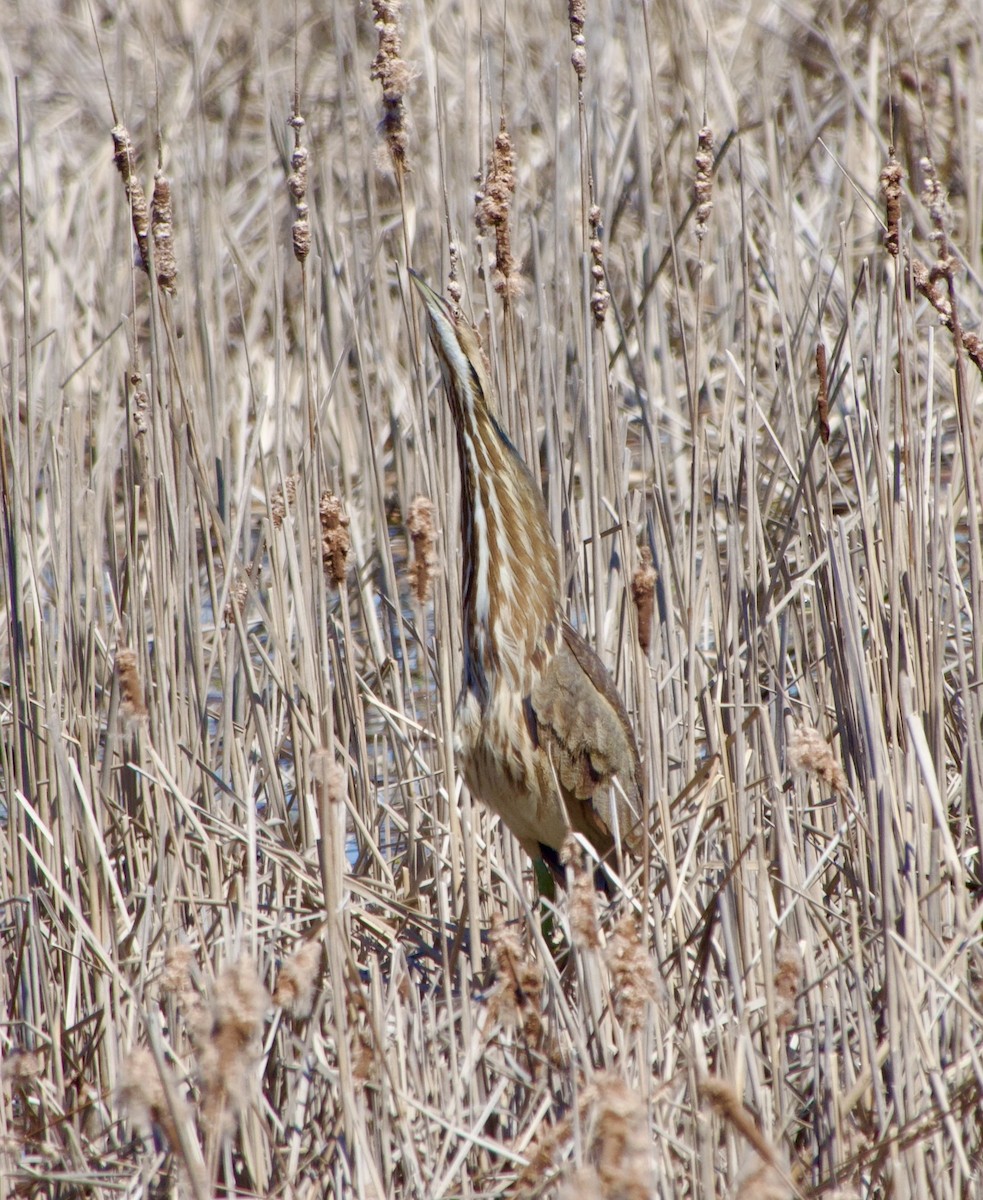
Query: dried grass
{"points": [[194, 811]]}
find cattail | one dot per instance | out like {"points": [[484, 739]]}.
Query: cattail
{"points": [[703, 186], [634, 982], [585, 931], [294, 990], [890, 180], [227, 1053], [142, 1093], [929, 283], [577, 15], [600, 296], [162, 226], [126, 165], [335, 538], [822, 397], [132, 704], [420, 526], [394, 76], [453, 286], [236, 601], [300, 231], [725, 1102], [330, 779], [643, 595], [140, 405], [618, 1141], [517, 993], [809, 751], [937, 203], [763, 1182], [282, 498], [19, 1067], [493, 204], [789, 969]]}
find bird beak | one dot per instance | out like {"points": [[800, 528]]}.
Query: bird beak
{"points": [[439, 311]]}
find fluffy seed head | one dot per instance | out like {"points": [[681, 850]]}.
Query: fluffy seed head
{"points": [[809, 751], [295, 984], [420, 525], [335, 538]]}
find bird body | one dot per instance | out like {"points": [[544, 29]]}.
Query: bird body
{"points": [[542, 736]]}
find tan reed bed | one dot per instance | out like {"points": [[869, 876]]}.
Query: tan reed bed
{"points": [[255, 939]]}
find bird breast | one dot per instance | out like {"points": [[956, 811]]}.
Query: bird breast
{"points": [[504, 766]]}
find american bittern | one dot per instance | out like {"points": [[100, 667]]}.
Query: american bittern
{"points": [[542, 736]]}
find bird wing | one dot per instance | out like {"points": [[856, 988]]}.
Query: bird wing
{"points": [[581, 721]]}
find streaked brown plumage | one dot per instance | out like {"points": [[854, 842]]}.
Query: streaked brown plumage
{"points": [[542, 735]]}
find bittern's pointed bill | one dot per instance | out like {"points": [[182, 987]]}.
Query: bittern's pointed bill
{"points": [[542, 736]]}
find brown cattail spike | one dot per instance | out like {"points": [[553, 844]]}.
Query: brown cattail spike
{"points": [[141, 405], [394, 76], [282, 498], [420, 525], [517, 994], [493, 209], [809, 751], [227, 1053], [300, 231], [577, 15], [789, 969], [822, 396], [294, 990], [125, 161], [891, 178], [703, 186], [724, 1101], [162, 225], [600, 296], [634, 983], [335, 538], [643, 594], [132, 703]]}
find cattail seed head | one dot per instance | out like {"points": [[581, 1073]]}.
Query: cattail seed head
{"points": [[132, 704], [789, 969], [162, 225], [394, 76], [227, 1053], [618, 1141], [517, 994], [809, 751], [140, 406], [295, 984], [726, 1103], [890, 181], [282, 499], [703, 186], [335, 538], [493, 212], [822, 396], [634, 982], [600, 296], [125, 161], [141, 1092], [577, 16], [300, 231], [236, 601], [420, 525], [643, 595]]}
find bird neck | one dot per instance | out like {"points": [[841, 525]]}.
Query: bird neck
{"points": [[511, 586]]}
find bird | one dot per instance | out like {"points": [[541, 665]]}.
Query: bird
{"points": [[541, 733]]}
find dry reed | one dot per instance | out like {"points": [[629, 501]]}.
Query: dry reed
{"points": [[280, 793]]}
